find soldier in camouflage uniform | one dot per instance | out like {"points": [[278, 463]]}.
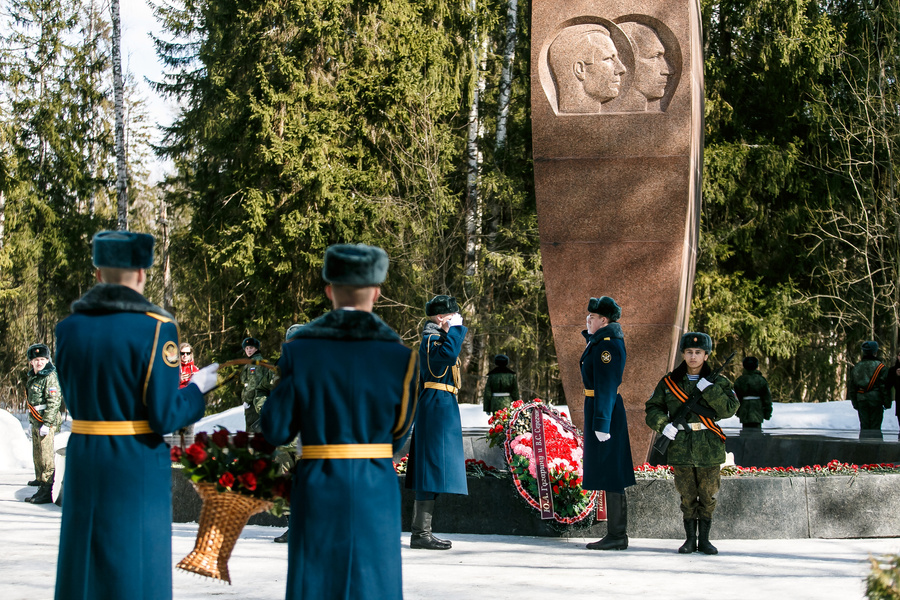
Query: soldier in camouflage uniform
{"points": [[697, 452], [752, 390], [867, 388], [44, 403], [502, 387], [256, 382]]}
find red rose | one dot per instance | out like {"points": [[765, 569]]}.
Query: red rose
{"points": [[259, 466], [261, 444], [175, 453], [226, 480], [241, 439], [282, 489], [201, 438], [248, 480], [196, 452], [220, 438], [555, 489]]}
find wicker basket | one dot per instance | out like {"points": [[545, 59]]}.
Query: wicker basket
{"points": [[222, 518]]}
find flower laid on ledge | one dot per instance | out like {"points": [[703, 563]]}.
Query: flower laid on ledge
{"points": [[400, 467], [835, 467], [236, 463], [480, 469]]}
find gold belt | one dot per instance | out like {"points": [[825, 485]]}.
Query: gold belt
{"points": [[431, 385], [110, 427], [589, 393], [347, 451]]}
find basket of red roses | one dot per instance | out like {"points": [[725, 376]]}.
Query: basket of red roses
{"points": [[236, 476]]}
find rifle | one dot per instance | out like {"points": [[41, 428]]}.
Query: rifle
{"points": [[681, 415]]}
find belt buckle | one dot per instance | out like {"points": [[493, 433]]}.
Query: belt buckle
{"points": [[696, 426]]}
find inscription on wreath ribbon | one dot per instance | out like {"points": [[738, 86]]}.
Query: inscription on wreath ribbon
{"points": [[545, 498]]}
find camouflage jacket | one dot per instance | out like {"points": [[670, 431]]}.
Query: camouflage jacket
{"points": [[701, 448], [256, 383], [45, 396], [861, 376], [752, 390], [501, 380]]}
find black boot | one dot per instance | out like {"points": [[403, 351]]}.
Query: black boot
{"points": [[690, 531], [703, 544], [34, 482], [44, 494], [283, 538], [616, 524], [421, 538]]}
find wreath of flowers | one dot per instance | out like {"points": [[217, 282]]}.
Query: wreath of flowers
{"points": [[236, 463], [565, 451]]}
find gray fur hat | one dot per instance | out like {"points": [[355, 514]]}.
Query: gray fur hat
{"points": [[291, 331], [605, 307], [355, 265], [123, 250], [696, 339]]}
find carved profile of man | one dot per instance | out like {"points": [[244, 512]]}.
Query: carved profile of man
{"points": [[586, 68], [651, 69]]}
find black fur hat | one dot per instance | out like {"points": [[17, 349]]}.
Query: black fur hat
{"points": [[355, 265], [441, 305], [696, 339], [751, 363], [870, 348], [605, 307], [123, 250], [38, 351], [251, 341], [501, 360]]}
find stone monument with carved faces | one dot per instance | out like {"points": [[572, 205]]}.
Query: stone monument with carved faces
{"points": [[617, 109]]}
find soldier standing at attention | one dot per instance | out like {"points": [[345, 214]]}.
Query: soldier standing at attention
{"points": [[867, 388], [607, 448], [752, 391], [437, 463], [348, 388], [256, 384], [44, 404], [893, 383], [502, 386], [697, 452], [119, 367]]}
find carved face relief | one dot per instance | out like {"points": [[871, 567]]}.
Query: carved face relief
{"points": [[585, 66], [651, 68], [601, 77]]}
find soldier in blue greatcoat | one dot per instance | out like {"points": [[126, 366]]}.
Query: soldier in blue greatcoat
{"points": [[118, 365], [607, 447], [348, 386], [437, 463]]}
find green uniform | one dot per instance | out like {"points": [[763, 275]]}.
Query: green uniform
{"points": [[44, 405], [501, 389], [694, 454], [868, 392], [752, 391], [256, 382]]}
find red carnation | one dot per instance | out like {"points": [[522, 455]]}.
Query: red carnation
{"points": [[241, 439], [259, 466], [196, 452], [175, 453], [248, 480], [220, 438], [226, 480], [201, 438]]}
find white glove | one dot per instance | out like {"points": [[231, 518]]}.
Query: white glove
{"points": [[456, 320], [44, 430], [703, 384], [670, 431], [245, 406], [602, 436], [205, 378]]}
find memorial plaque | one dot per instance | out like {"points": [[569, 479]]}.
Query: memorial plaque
{"points": [[617, 108]]}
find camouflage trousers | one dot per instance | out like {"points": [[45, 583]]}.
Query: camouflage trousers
{"points": [[698, 487], [44, 454], [870, 417]]}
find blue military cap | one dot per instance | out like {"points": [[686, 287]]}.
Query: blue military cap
{"points": [[605, 307], [870, 348], [123, 250], [441, 305], [501, 360], [38, 351], [356, 265], [696, 339]]}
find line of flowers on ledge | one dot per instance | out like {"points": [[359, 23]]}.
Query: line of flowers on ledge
{"points": [[835, 467]]}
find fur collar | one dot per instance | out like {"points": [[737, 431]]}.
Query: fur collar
{"points": [[347, 325], [432, 328], [613, 330], [503, 369], [111, 297], [680, 371], [49, 368]]}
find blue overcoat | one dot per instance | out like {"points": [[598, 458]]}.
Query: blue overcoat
{"points": [[118, 360], [437, 462], [345, 378], [607, 465]]}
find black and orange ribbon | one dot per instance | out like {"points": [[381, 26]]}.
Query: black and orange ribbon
{"points": [[874, 379], [34, 413], [683, 397]]}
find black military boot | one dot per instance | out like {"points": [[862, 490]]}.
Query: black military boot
{"points": [[44, 494], [703, 544], [616, 524], [690, 531], [421, 538], [34, 482], [283, 538]]}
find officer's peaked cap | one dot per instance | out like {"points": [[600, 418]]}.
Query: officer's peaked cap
{"points": [[605, 307], [696, 339], [251, 341], [751, 363], [501, 360], [123, 250], [38, 351], [355, 265], [870, 348], [441, 305]]}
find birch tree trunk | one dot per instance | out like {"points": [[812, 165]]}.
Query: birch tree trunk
{"points": [[168, 288], [118, 89], [509, 55]]}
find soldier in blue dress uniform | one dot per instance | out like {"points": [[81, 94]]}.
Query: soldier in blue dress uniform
{"points": [[118, 365], [607, 447], [348, 386], [437, 463]]}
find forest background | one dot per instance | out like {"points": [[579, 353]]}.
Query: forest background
{"points": [[406, 124]]}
